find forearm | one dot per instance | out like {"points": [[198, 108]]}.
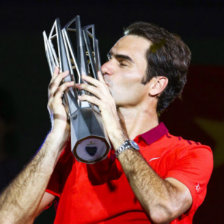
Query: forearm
{"points": [[20, 199], [157, 196]]}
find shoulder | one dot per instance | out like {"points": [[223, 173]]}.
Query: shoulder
{"points": [[180, 140], [184, 146], [177, 147], [174, 150], [189, 156]]}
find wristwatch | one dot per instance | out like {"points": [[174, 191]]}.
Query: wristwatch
{"points": [[128, 144]]}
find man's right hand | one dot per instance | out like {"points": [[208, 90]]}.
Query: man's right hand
{"points": [[57, 110]]}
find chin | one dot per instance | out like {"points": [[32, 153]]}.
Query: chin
{"points": [[120, 103]]}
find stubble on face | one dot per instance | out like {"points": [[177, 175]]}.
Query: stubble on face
{"points": [[127, 68]]}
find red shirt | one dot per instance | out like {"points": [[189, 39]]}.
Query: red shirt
{"points": [[100, 193]]}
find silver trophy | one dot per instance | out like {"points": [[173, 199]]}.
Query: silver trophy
{"points": [[75, 48]]}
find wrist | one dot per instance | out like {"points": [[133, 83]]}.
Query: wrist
{"points": [[59, 136], [118, 139]]}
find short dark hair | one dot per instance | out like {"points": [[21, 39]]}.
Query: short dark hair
{"points": [[168, 56]]}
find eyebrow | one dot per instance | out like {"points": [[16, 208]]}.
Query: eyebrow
{"points": [[120, 56]]}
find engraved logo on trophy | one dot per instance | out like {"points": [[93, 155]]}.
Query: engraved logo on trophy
{"points": [[75, 48]]}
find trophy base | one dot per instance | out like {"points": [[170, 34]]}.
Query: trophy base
{"points": [[91, 149]]}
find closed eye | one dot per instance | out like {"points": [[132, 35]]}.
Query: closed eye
{"points": [[124, 60], [123, 63]]}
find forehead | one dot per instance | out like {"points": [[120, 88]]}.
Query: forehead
{"points": [[131, 45]]}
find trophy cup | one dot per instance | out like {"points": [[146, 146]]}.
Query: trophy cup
{"points": [[75, 48]]}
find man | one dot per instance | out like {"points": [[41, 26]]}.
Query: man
{"points": [[163, 182]]}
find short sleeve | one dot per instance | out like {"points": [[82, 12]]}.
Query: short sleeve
{"points": [[193, 168]]}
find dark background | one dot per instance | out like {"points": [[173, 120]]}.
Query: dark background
{"points": [[24, 76]]}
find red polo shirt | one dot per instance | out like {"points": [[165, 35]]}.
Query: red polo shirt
{"points": [[100, 193]]}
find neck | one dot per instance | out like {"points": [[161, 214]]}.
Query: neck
{"points": [[138, 120]]}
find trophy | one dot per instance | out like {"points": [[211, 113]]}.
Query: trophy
{"points": [[76, 49]]}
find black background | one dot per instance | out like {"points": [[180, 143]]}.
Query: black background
{"points": [[24, 73]]}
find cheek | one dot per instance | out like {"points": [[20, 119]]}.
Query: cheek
{"points": [[128, 91], [126, 82], [129, 78]]}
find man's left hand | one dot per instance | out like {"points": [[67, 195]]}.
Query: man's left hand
{"points": [[102, 98]]}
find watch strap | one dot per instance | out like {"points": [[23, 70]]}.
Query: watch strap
{"points": [[128, 144]]}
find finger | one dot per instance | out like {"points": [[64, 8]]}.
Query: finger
{"points": [[90, 80], [95, 82], [57, 97], [90, 99], [100, 77], [56, 71], [60, 91], [56, 82], [58, 75], [89, 88]]}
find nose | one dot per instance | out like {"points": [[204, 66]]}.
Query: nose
{"points": [[107, 68]]}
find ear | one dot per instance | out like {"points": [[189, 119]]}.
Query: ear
{"points": [[157, 85]]}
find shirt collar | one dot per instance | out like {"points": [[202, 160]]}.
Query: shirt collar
{"points": [[154, 134]]}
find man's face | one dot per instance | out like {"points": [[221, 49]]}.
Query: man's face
{"points": [[125, 70]]}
